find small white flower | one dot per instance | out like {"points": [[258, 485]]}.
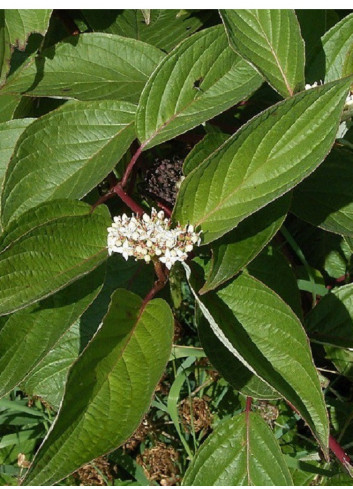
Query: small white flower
{"points": [[308, 86], [167, 259]]}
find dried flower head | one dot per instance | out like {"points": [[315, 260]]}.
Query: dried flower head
{"points": [[151, 237]]}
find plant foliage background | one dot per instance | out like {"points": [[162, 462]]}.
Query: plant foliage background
{"points": [[234, 367]]}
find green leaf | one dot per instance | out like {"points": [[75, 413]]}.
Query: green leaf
{"points": [[10, 131], [93, 66], [28, 335], [268, 267], [236, 249], [327, 252], [47, 380], [271, 41], [232, 369], [331, 321], [328, 206], [242, 451], [8, 104], [49, 247], [342, 359], [333, 61], [109, 388], [267, 157], [166, 29], [15, 29], [199, 79], [202, 150], [66, 153], [262, 331]]}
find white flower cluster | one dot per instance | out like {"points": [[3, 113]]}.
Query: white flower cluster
{"points": [[151, 236]]}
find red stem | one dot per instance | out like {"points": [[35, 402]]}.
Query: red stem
{"points": [[341, 454], [162, 278], [248, 404], [164, 208], [336, 449], [127, 199], [102, 199], [130, 166]]}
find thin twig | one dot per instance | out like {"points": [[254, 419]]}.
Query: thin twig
{"points": [[248, 404], [341, 455], [162, 279], [130, 166], [129, 201], [164, 208], [336, 448]]}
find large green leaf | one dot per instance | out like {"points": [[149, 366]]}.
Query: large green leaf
{"points": [[342, 358], [331, 321], [28, 335], [8, 104], [271, 41], [199, 79], [263, 160], [203, 149], [10, 131], [165, 29], [273, 269], [328, 206], [66, 153], [262, 331], [15, 29], [335, 59], [230, 367], [327, 252], [93, 66], [47, 380], [242, 451], [236, 249], [109, 388], [49, 247]]}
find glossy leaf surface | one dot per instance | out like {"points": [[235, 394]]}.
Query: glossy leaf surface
{"points": [[331, 321], [242, 451], [15, 29], [166, 27], [28, 335], [199, 79], [329, 206], [202, 150], [93, 66], [109, 388], [259, 329], [48, 248], [230, 367], [263, 160], [10, 131], [271, 41], [47, 380], [66, 153], [236, 249], [273, 270], [337, 45]]}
